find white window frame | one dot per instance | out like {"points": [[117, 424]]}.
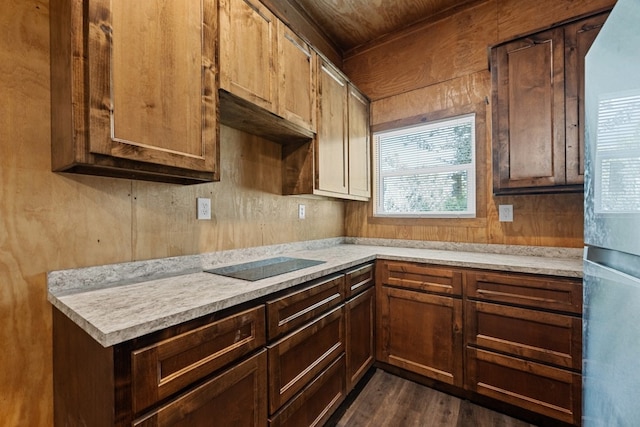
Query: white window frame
{"points": [[469, 168]]}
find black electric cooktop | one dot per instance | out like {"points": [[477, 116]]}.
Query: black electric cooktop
{"points": [[262, 269]]}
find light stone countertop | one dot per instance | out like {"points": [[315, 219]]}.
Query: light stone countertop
{"points": [[116, 303]]}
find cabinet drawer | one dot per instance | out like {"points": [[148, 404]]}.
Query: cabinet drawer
{"points": [[550, 391], [421, 277], [164, 368], [546, 292], [358, 280], [235, 397], [293, 310], [300, 356], [540, 336], [315, 404]]}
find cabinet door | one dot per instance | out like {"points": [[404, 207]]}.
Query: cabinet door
{"points": [[237, 397], [135, 91], [297, 64], [421, 333], [360, 320], [579, 37], [529, 118], [331, 151], [359, 145], [249, 51]]}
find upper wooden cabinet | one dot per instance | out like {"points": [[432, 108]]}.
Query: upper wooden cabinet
{"points": [[538, 109], [579, 37], [296, 79], [342, 145], [248, 51], [331, 147], [359, 138], [267, 74], [337, 162], [133, 90]]}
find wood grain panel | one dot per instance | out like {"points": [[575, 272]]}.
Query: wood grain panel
{"points": [[247, 208], [47, 221], [517, 17], [355, 22], [453, 93], [452, 47]]}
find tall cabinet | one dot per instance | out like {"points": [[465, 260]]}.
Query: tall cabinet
{"points": [[118, 109]]}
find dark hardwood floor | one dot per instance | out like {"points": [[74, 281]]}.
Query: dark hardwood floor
{"points": [[388, 400]]}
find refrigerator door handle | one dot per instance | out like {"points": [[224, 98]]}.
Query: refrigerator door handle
{"points": [[620, 262]]}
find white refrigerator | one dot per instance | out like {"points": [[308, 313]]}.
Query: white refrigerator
{"points": [[611, 328]]}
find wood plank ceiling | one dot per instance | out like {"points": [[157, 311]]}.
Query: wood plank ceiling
{"points": [[353, 23]]}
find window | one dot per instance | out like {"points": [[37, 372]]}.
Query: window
{"points": [[427, 170]]}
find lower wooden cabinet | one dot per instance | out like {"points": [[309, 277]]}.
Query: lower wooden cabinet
{"points": [[165, 367], [183, 375], [237, 397], [544, 337], [540, 388], [522, 340], [317, 401], [360, 335], [520, 343], [523, 336], [418, 331], [421, 333], [298, 357]]}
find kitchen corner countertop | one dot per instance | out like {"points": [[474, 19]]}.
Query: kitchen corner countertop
{"points": [[114, 307]]}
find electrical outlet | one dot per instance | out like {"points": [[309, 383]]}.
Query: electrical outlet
{"points": [[505, 213], [301, 212], [204, 208]]}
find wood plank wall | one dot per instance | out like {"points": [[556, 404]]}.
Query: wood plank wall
{"points": [[444, 65], [52, 221]]}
